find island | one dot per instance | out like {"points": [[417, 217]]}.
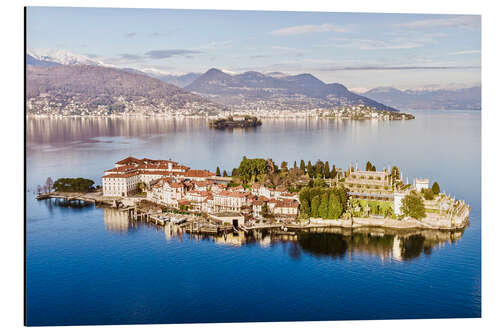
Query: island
{"points": [[362, 112], [235, 121], [259, 194]]}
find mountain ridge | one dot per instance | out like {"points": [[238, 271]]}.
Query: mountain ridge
{"points": [[254, 89], [74, 89], [445, 99]]}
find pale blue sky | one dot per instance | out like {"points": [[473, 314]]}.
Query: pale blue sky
{"points": [[359, 50]]}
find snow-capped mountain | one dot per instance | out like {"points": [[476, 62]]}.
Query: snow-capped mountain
{"points": [[63, 57]]}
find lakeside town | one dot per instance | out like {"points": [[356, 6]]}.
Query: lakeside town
{"points": [[41, 107], [259, 194]]}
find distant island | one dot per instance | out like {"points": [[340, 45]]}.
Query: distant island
{"points": [[235, 122], [362, 112]]}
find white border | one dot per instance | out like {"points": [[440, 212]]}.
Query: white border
{"points": [[12, 160]]}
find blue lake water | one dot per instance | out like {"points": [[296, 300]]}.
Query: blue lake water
{"points": [[90, 265]]}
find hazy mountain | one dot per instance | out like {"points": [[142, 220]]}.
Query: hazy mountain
{"points": [[75, 89], [30, 60], [276, 91], [177, 80], [460, 99]]}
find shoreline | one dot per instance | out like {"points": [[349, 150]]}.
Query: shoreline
{"points": [[129, 204], [175, 117]]}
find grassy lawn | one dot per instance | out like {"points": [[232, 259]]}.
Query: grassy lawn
{"points": [[384, 205], [436, 211]]}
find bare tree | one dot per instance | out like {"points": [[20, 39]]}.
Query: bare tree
{"points": [[39, 189], [45, 189], [49, 183]]}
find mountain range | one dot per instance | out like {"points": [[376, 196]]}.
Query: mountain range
{"points": [[254, 90], [444, 99], [247, 91], [89, 89]]}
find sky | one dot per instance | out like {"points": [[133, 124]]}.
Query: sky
{"points": [[360, 50]]}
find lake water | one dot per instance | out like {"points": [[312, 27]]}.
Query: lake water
{"points": [[88, 265]]}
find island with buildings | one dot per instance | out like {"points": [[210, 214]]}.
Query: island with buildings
{"points": [[259, 195], [235, 121]]}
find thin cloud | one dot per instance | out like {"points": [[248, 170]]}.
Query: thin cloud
{"points": [[162, 54], [217, 45], [465, 52], [470, 21], [398, 68], [92, 55], [129, 56], [369, 44], [309, 28], [399, 41], [130, 35], [159, 34]]}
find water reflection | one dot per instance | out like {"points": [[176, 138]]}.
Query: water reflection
{"points": [[43, 130], [116, 220], [333, 243]]}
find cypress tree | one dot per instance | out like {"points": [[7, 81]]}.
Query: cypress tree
{"points": [[327, 170], [323, 206], [295, 165], [302, 166], [217, 172], [368, 166], [435, 188], [224, 173], [334, 206], [310, 170], [374, 168], [333, 174], [315, 206], [395, 173]]}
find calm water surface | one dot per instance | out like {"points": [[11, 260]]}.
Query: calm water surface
{"points": [[88, 265]]}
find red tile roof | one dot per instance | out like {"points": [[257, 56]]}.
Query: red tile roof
{"points": [[129, 160], [199, 173], [121, 175]]}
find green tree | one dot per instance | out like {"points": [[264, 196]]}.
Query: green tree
{"points": [[428, 194], [435, 188], [395, 173], [333, 173], [265, 210], [305, 208], [319, 169], [284, 166], [217, 172], [142, 186], [412, 205], [251, 168], [302, 166], [234, 172], [343, 197], [318, 182], [295, 165], [373, 168], [323, 206], [334, 206], [224, 173], [327, 169], [73, 185], [368, 166], [310, 170], [315, 202]]}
